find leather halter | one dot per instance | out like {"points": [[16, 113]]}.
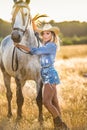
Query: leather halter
{"points": [[19, 7]]}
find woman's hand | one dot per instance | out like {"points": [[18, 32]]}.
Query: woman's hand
{"points": [[16, 44], [22, 47]]}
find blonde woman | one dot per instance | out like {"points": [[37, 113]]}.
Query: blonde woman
{"points": [[49, 75]]}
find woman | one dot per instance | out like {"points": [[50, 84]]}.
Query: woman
{"points": [[49, 75]]}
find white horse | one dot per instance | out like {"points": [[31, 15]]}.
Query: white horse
{"points": [[17, 64]]}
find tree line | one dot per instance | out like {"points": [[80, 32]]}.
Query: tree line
{"points": [[71, 32], [5, 28]]}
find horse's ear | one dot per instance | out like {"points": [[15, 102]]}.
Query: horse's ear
{"points": [[15, 1], [27, 1]]}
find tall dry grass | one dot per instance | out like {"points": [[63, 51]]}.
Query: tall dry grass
{"points": [[72, 51], [72, 94]]}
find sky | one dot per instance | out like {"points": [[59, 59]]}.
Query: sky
{"points": [[57, 10]]}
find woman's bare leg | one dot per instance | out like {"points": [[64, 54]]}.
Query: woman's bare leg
{"points": [[55, 100], [48, 94]]}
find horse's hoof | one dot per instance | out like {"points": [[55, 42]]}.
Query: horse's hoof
{"points": [[18, 118], [41, 123]]}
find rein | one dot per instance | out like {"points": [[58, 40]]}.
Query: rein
{"points": [[14, 57], [38, 38]]}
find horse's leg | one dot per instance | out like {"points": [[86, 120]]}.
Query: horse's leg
{"points": [[20, 98], [39, 103], [7, 80]]}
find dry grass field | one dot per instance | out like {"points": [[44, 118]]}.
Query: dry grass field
{"points": [[72, 51], [71, 64]]}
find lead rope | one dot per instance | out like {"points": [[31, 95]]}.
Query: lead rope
{"points": [[15, 55], [38, 38], [14, 58]]}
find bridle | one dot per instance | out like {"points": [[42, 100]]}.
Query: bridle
{"points": [[19, 7]]}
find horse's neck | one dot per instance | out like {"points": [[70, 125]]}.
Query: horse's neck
{"points": [[29, 38]]}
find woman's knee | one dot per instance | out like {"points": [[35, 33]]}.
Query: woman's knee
{"points": [[46, 103]]}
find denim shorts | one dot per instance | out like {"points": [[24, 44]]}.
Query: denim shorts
{"points": [[50, 75]]}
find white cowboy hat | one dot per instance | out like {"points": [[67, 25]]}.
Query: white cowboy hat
{"points": [[49, 27]]}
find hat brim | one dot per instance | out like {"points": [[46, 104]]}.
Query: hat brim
{"points": [[53, 29]]}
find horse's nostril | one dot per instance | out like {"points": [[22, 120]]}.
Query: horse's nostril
{"points": [[19, 36]]}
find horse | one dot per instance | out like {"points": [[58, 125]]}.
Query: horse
{"points": [[18, 64]]}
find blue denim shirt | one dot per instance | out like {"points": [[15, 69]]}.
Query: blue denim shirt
{"points": [[47, 53]]}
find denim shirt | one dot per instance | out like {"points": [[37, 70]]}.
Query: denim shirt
{"points": [[47, 53]]}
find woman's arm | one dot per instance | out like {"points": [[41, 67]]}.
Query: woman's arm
{"points": [[22, 47], [44, 50], [48, 49]]}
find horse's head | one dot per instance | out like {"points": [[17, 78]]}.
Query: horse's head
{"points": [[20, 20]]}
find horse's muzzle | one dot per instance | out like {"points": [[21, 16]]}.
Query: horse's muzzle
{"points": [[15, 36]]}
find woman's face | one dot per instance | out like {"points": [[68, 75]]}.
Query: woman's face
{"points": [[46, 36]]}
